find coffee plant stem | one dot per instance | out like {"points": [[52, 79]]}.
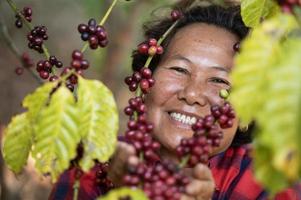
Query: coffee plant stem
{"points": [[30, 27], [149, 59], [184, 161], [102, 22], [75, 189], [16, 51]]}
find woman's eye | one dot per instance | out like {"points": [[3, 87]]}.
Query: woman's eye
{"points": [[180, 69], [219, 80]]}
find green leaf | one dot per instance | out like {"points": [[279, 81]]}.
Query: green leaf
{"points": [[134, 194], [35, 101], [267, 89], [56, 134], [265, 172], [254, 11], [251, 72], [98, 122], [17, 142], [279, 119]]}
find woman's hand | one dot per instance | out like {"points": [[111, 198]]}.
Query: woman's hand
{"points": [[201, 186], [124, 155]]}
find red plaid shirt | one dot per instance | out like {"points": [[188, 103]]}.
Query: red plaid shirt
{"points": [[231, 171]]}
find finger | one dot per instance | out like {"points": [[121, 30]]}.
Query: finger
{"points": [[123, 152], [126, 148], [202, 172], [186, 197], [133, 160], [204, 189], [119, 160]]}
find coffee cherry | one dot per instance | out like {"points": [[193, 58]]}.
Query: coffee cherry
{"points": [[152, 42], [152, 51], [82, 28], [160, 50], [176, 14], [44, 74], [144, 85], [224, 93], [77, 55], [18, 23], [146, 73], [84, 64], [53, 78], [236, 47], [143, 49], [26, 60], [19, 71]]}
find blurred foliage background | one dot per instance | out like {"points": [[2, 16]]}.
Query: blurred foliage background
{"points": [[109, 65]]}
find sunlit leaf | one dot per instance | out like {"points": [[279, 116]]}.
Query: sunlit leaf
{"points": [[267, 89], [133, 194], [254, 11], [251, 73], [56, 134], [17, 142], [35, 101], [98, 121]]}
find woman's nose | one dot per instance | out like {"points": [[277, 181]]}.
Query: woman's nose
{"points": [[194, 93]]}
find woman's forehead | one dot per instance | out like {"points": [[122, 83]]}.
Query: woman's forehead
{"points": [[204, 34], [204, 44]]}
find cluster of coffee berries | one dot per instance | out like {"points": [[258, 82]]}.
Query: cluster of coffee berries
{"points": [[160, 181], [207, 134], [150, 48], [287, 5], [95, 34], [27, 13], [102, 180], [78, 64], [44, 68], [224, 115], [36, 38], [138, 133], [142, 78]]}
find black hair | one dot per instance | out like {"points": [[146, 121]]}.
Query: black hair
{"points": [[228, 18]]}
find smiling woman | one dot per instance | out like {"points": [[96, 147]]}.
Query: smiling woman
{"points": [[189, 79], [189, 76]]}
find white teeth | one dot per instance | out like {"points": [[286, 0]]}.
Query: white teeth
{"points": [[183, 118]]}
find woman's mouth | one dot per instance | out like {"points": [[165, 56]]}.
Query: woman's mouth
{"points": [[182, 120]]}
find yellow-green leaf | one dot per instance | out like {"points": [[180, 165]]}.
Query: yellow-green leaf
{"points": [[265, 172], [56, 134], [134, 194], [259, 54], [98, 121], [35, 101], [279, 119], [254, 11], [17, 142]]}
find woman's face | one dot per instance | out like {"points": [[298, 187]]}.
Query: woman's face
{"points": [[192, 72]]}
